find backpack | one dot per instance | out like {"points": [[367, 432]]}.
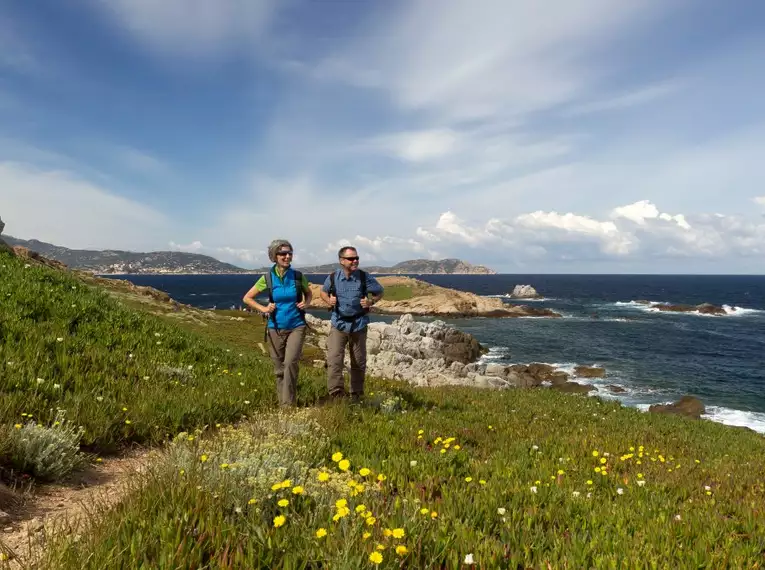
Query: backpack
{"points": [[270, 287], [333, 292]]}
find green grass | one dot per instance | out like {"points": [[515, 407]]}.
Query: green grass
{"points": [[124, 375], [398, 293], [519, 485], [700, 505]]}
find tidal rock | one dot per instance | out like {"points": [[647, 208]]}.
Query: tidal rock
{"points": [[613, 388], [703, 308], [589, 372], [686, 406], [524, 292], [574, 388]]}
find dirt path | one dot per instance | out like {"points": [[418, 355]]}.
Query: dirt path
{"points": [[51, 508]]}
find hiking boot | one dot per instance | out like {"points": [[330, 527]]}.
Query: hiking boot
{"points": [[356, 398]]}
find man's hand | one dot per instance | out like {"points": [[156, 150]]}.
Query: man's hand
{"points": [[367, 303], [332, 300]]}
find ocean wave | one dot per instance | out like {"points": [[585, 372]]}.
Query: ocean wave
{"points": [[653, 307], [495, 353], [733, 417], [520, 299]]}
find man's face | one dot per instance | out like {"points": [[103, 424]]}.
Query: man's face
{"points": [[349, 259]]}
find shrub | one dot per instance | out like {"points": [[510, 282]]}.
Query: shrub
{"points": [[48, 453]]}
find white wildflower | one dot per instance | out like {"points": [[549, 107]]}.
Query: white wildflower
{"points": [[534, 447], [469, 559], [534, 489], [641, 483], [40, 381], [412, 463], [501, 510], [620, 491], [576, 493], [60, 339]]}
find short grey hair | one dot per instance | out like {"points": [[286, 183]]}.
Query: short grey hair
{"points": [[344, 249], [275, 246]]}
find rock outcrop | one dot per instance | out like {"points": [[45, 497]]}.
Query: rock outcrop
{"points": [[703, 308], [437, 354], [524, 292], [686, 406], [432, 300]]}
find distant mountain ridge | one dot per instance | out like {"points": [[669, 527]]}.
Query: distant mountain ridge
{"points": [[128, 262], [169, 262]]}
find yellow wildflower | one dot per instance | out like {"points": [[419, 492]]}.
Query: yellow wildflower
{"points": [[251, 502], [279, 521], [203, 458], [17, 426], [297, 490], [366, 535], [337, 456], [468, 479], [344, 465], [398, 533], [603, 460], [401, 550], [321, 533], [323, 476], [433, 515], [274, 487], [364, 471], [456, 448], [424, 511], [371, 520], [595, 453], [283, 502], [340, 503], [381, 477], [375, 558]]}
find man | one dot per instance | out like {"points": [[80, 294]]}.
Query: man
{"points": [[346, 292]]}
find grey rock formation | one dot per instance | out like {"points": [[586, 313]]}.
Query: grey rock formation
{"points": [[437, 354], [524, 292], [2, 225]]}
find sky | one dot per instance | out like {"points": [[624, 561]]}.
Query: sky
{"points": [[557, 136]]}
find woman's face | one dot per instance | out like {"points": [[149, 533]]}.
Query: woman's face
{"points": [[284, 257]]}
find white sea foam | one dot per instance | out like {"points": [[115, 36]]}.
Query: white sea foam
{"points": [[495, 353], [731, 417], [520, 299], [653, 307]]}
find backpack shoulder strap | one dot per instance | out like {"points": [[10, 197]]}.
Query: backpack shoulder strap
{"points": [[270, 285], [298, 284], [363, 277]]}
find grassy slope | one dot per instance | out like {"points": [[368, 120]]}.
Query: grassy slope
{"points": [[701, 505]]}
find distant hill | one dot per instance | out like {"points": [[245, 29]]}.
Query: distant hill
{"points": [[414, 266], [116, 261], [128, 262]]}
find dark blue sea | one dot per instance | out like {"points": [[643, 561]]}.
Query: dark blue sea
{"points": [[656, 356]]}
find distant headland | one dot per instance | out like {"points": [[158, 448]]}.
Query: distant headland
{"points": [[105, 262]]}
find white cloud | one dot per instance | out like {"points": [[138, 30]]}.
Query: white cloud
{"points": [[195, 28], [638, 212], [489, 57], [640, 96], [61, 208], [759, 200], [418, 146]]}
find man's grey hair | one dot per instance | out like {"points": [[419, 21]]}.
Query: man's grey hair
{"points": [[344, 249], [275, 246]]}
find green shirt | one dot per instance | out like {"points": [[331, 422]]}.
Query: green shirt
{"points": [[260, 284]]}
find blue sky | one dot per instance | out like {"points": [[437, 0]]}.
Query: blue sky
{"points": [[553, 136]]}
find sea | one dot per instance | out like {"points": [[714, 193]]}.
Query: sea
{"points": [[655, 356]]}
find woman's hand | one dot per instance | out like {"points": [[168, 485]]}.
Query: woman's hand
{"points": [[270, 308], [301, 305]]}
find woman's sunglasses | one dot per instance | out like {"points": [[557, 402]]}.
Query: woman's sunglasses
{"points": [[283, 253]]}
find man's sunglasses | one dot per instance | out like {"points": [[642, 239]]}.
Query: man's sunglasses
{"points": [[283, 253], [355, 258]]}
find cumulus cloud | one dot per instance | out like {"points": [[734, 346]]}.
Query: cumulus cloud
{"points": [[760, 200]]}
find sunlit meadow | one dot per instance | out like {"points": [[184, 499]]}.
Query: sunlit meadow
{"points": [[417, 478]]}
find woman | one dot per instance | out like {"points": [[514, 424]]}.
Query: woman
{"points": [[288, 295]]}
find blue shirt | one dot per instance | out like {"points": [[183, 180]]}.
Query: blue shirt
{"points": [[348, 292], [286, 315]]}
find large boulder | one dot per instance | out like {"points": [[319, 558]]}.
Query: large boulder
{"points": [[686, 406], [524, 292], [589, 372]]}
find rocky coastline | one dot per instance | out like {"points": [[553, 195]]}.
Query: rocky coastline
{"points": [[702, 309], [436, 354]]}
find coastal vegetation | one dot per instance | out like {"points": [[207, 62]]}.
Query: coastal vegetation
{"points": [[449, 477]]}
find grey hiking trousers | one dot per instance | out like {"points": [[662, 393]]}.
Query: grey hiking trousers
{"points": [[286, 347]]}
